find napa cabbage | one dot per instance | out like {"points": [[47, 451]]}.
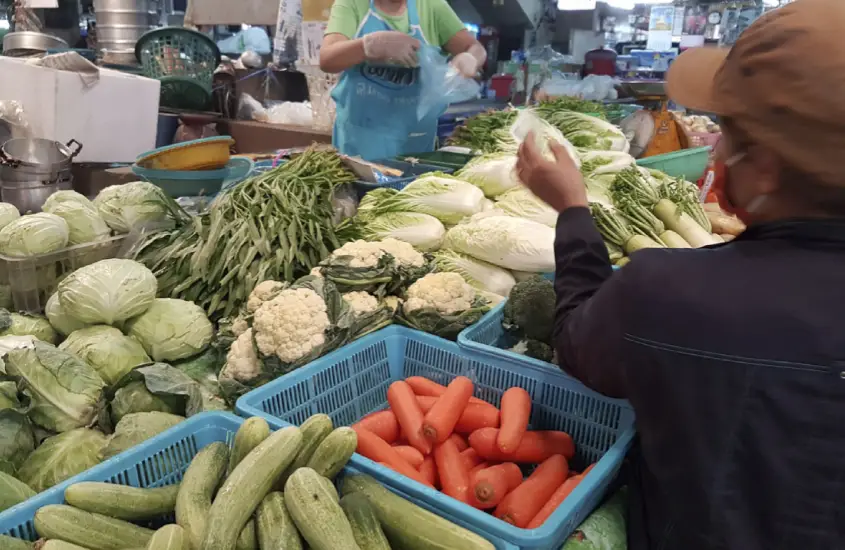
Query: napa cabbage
{"points": [[493, 174], [446, 198], [480, 275], [522, 203], [508, 242]]}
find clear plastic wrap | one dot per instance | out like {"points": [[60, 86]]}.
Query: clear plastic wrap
{"points": [[591, 88], [13, 121], [442, 84]]}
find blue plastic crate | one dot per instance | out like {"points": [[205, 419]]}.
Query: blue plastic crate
{"points": [[352, 382], [410, 172], [161, 461]]}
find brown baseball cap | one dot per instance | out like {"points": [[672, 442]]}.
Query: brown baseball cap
{"points": [[782, 84]]}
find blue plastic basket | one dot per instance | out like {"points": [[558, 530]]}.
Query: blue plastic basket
{"points": [[410, 171], [160, 461], [352, 382]]}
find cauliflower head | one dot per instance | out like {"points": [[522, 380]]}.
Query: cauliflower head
{"points": [[361, 253], [242, 363], [317, 272], [361, 303], [263, 292], [446, 292], [404, 254], [291, 325], [240, 325]]}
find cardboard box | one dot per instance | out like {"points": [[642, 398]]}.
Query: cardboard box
{"points": [[114, 118], [260, 137]]}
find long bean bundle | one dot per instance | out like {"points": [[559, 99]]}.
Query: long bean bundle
{"points": [[274, 226]]}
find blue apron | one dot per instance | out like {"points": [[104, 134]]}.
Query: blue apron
{"points": [[377, 104]]}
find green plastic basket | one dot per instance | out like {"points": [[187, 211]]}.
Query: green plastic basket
{"points": [[178, 92], [446, 159], [175, 56], [688, 164]]}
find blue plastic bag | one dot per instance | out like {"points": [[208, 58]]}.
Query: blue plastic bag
{"points": [[441, 84]]}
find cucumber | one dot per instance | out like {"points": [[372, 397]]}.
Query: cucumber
{"points": [[330, 488], [247, 540], [11, 543], [314, 431], [253, 431], [13, 491], [197, 489], [334, 452], [58, 545], [122, 501], [276, 530], [87, 529], [247, 486], [316, 513], [365, 526], [408, 526], [170, 537]]}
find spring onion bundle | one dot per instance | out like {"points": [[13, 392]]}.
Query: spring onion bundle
{"points": [[274, 226]]}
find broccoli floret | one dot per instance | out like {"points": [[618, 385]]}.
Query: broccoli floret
{"points": [[535, 350], [530, 309]]}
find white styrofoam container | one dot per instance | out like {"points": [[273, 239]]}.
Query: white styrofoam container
{"points": [[114, 118]]}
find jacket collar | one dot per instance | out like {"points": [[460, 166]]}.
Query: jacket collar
{"points": [[821, 232]]}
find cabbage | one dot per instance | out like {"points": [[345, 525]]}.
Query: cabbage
{"points": [[421, 231], [10, 342], [8, 395], [493, 174], [138, 205], [480, 275], [134, 397], [446, 198], [24, 324], [8, 214], [156, 387], [64, 196], [63, 390], [17, 439], [172, 329], [522, 203], [33, 234], [589, 132], [544, 134], [61, 457], [203, 369], [106, 349], [58, 317], [108, 291], [84, 223], [6, 301], [133, 429], [508, 242], [604, 162]]}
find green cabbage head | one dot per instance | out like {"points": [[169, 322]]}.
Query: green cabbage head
{"points": [[25, 324], [138, 205], [172, 329], [107, 350], [66, 195], [61, 457], [108, 291], [58, 317], [85, 224], [34, 234], [8, 214], [17, 440], [133, 429], [64, 391]]}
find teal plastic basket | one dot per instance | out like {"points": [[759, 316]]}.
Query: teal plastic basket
{"points": [[194, 183], [688, 163], [159, 461], [352, 382]]}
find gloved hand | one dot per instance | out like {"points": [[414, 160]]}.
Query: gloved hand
{"points": [[392, 47], [465, 64]]}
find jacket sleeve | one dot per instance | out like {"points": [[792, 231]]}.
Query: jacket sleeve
{"points": [[589, 313]]}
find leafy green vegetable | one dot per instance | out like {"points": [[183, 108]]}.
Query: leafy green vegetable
{"points": [[108, 291], [84, 223], [422, 231], [133, 429], [445, 197], [529, 311], [134, 397], [13, 491], [480, 275], [172, 329], [156, 387], [33, 234], [66, 195], [604, 529], [25, 324], [106, 349], [493, 174], [8, 214], [61, 457], [446, 326], [64, 392], [522, 203], [140, 206], [17, 440], [506, 241], [58, 317]]}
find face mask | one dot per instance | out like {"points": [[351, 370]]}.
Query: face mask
{"points": [[716, 181]]}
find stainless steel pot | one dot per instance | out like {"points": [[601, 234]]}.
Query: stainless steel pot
{"points": [[33, 169], [29, 196], [39, 154], [25, 43]]}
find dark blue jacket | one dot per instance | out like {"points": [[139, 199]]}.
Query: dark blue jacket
{"points": [[733, 358]]}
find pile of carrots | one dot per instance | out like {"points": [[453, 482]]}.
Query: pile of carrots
{"points": [[447, 439]]}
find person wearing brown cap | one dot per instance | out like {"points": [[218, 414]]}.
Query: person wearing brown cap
{"points": [[732, 356]]}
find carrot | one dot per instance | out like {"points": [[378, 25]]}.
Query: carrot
{"points": [[522, 504], [378, 450], [470, 458], [489, 486], [554, 501], [428, 469], [410, 455], [482, 466], [535, 447], [474, 417], [440, 420], [515, 413], [381, 423], [460, 442], [424, 386], [454, 478], [404, 405]]}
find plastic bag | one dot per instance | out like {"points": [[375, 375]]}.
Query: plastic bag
{"points": [[13, 121], [592, 88], [250, 108], [290, 112], [441, 84], [253, 38]]}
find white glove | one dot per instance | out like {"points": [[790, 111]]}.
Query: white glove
{"points": [[392, 47], [469, 62]]}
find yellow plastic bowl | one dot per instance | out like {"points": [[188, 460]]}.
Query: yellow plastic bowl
{"points": [[199, 154]]}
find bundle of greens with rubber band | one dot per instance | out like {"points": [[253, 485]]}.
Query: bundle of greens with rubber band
{"points": [[616, 229]]}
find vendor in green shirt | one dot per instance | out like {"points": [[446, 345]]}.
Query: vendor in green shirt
{"points": [[374, 44]]}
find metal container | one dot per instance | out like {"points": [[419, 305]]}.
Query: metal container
{"points": [[120, 23], [38, 153], [25, 43], [120, 34], [32, 169], [29, 196]]}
